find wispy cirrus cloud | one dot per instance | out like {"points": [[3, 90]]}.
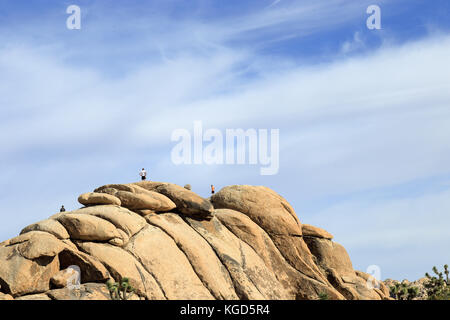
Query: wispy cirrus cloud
{"points": [[82, 109]]}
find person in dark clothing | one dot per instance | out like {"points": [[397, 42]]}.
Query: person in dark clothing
{"points": [[62, 209]]}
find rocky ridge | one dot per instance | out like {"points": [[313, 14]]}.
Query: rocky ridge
{"points": [[244, 242]]}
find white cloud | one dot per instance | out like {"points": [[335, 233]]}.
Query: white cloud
{"points": [[274, 3], [406, 235], [355, 44], [368, 122]]}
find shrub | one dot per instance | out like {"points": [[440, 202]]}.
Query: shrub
{"points": [[437, 286], [323, 296], [401, 291], [121, 290]]}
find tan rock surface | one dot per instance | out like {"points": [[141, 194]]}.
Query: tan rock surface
{"points": [[96, 198], [135, 201], [146, 212], [87, 291], [122, 264], [51, 226], [64, 278], [207, 266], [186, 201], [311, 231], [298, 285], [21, 276], [331, 255], [161, 257], [251, 278], [266, 208], [134, 197], [335, 262], [40, 296], [36, 244], [92, 270], [5, 297], [278, 219], [122, 218], [88, 228], [376, 283]]}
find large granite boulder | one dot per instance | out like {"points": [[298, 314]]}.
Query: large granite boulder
{"points": [[97, 198], [187, 202], [245, 242]]}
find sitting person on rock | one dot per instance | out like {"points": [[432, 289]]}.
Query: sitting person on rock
{"points": [[143, 174], [62, 209]]}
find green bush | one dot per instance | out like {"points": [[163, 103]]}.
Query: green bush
{"points": [[121, 290], [323, 296], [437, 287], [401, 291]]}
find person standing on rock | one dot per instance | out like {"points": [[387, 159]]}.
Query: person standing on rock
{"points": [[212, 189], [62, 209], [143, 174]]}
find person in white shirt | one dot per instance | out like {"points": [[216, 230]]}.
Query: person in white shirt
{"points": [[143, 174]]}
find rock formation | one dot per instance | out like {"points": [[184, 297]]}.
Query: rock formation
{"points": [[245, 242]]}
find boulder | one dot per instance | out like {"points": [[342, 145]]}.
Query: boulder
{"points": [[21, 276], [250, 245], [134, 197], [39, 296], [251, 277], [298, 285], [87, 291], [151, 201], [87, 227], [122, 264], [96, 198], [331, 255], [63, 278], [311, 231], [49, 225], [37, 244], [91, 269], [201, 256], [162, 258], [122, 218], [378, 284], [277, 218], [186, 201], [334, 260], [265, 207], [117, 187]]}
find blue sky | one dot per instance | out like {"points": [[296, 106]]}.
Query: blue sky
{"points": [[363, 114]]}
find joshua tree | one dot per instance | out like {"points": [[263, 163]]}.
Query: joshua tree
{"points": [[121, 290], [437, 287], [401, 291]]}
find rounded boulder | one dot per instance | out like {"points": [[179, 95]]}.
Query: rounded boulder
{"points": [[96, 198]]}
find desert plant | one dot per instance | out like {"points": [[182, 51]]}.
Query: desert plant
{"points": [[401, 291], [188, 186], [323, 296], [437, 287], [121, 290]]}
